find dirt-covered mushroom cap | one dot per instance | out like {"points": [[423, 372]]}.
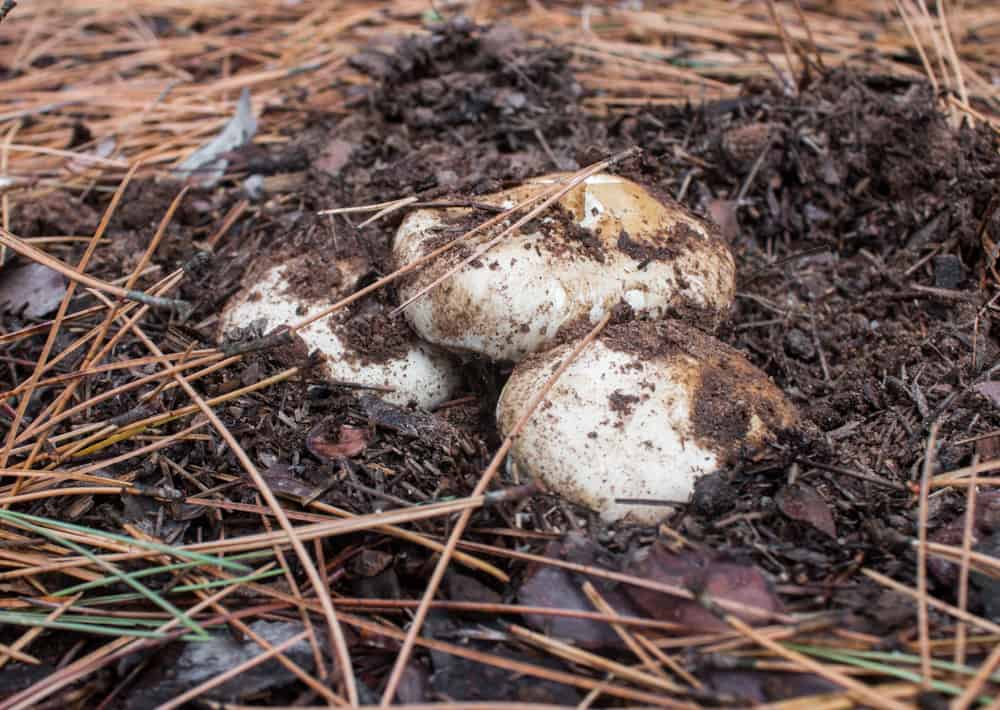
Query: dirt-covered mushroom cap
{"points": [[361, 345], [607, 241], [643, 411]]}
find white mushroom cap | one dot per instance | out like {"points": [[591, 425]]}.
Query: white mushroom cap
{"points": [[285, 293], [607, 241], [641, 413]]}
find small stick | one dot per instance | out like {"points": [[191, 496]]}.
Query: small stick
{"points": [[389, 209], [963, 575], [923, 619], [854, 474], [181, 308], [858, 690]]}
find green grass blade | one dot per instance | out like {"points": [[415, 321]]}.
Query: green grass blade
{"points": [[182, 588], [106, 581], [149, 594], [104, 628], [25, 519], [909, 658], [851, 658]]}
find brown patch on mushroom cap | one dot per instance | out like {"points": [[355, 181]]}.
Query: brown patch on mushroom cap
{"points": [[734, 404]]}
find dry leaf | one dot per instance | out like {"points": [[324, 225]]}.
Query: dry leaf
{"points": [[698, 572], [32, 290], [804, 504]]}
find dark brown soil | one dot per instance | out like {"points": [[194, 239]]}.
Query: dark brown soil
{"points": [[375, 334], [843, 302]]}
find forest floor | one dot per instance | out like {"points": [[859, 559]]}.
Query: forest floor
{"points": [[859, 196]]}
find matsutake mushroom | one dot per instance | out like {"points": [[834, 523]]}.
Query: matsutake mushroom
{"points": [[360, 345], [606, 242], [639, 415]]}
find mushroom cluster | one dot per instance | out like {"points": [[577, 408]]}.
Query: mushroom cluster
{"points": [[655, 402], [652, 404]]}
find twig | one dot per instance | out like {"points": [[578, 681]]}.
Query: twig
{"points": [[50, 340], [923, 621], [968, 533], [859, 691], [181, 308]]}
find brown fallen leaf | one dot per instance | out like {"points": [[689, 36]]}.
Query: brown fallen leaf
{"points": [[286, 484], [414, 687], [699, 572], [723, 213], [989, 389], [31, 290], [186, 666], [760, 686], [558, 588], [803, 503], [988, 448], [463, 588], [431, 429]]}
